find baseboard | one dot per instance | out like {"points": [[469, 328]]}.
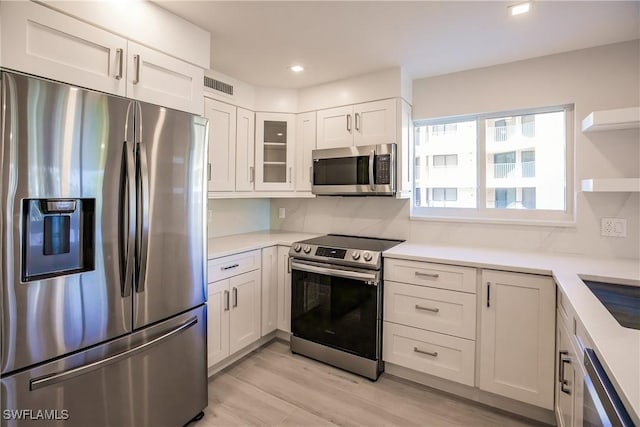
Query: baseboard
{"points": [[241, 354], [472, 393]]}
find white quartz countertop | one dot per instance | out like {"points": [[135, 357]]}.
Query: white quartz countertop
{"points": [[618, 348], [228, 245]]}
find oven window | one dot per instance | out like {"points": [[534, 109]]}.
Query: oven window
{"points": [[341, 171], [336, 312]]}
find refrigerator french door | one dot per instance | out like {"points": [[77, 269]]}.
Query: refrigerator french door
{"points": [[103, 258]]}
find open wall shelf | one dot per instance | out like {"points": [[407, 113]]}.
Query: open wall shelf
{"points": [[620, 118], [611, 185]]}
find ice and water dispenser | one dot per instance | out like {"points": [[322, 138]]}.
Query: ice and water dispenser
{"points": [[58, 237]]}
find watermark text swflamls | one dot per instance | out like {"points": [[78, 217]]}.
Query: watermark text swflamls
{"points": [[36, 414]]}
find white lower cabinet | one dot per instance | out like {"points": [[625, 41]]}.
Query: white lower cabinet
{"points": [[284, 289], [430, 319], [516, 344], [436, 354], [565, 383], [269, 289], [234, 310]]}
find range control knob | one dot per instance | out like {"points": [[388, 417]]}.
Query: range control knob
{"points": [[306, 249], [355, 255], [297, 247], [367, 256]]}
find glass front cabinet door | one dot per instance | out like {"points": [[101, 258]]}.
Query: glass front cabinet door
{"points": [[274, 151]]}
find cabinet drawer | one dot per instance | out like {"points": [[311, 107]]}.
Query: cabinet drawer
{"points": [[232, 265], [438, 310], [441, 276], [436, 354]]}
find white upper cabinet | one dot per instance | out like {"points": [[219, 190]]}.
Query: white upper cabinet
{"points": [[368, 123], [305, 144], [245, 149], [52, 45], [163, 80], [375, 123], [222, 145], [335, 127], [274, 151]]}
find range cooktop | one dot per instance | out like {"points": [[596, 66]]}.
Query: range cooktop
{"points": [[365, 252]]}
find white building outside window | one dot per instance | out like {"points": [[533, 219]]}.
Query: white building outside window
{"points": [[497, 163]]}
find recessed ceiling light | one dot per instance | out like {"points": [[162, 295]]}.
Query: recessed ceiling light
{"points": [[519, 9], [296, 68]]}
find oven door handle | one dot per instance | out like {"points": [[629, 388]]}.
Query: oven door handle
{"points": [[371, 277]]}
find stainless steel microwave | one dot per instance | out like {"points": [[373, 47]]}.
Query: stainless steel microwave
{"points": [[367, 170]]}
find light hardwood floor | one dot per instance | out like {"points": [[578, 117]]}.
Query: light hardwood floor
{"points": [[272, 387]]}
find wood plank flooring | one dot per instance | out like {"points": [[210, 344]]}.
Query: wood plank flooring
{"points": [[272, 387]]}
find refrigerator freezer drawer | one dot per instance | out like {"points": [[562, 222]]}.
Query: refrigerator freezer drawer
{"points": [[155, 377]]}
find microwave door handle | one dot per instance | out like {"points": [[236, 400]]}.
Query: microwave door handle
{"points": [[372, 159]]}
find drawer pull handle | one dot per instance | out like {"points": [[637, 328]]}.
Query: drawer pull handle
{"points": [[429, 275], [229, 267], [431, 309], [428, 353]]}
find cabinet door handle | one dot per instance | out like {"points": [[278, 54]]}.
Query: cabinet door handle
{"points": [[488, 294], [564, 359], [120, 55], [311, 175], [349, 123], [235, 297], [429, 275], [252, 174], [226, 300], [290, 175], [208, 171], [431, 309], [358, 121], [136, 62], [289, 264], [428, 353]]}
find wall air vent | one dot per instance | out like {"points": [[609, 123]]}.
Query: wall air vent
{"points": [[218, 85]]}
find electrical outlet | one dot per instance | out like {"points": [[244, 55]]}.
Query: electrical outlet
{"points": [[613, 227], [282, 214]]}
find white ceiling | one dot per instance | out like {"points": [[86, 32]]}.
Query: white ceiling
{"points": [[255, 41]]}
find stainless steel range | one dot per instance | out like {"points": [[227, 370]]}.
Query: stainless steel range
{"points": [[336, 301]]}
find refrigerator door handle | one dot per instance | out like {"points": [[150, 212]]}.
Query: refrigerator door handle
{"points": [[144, 214], [129, 218], [38, 383]]}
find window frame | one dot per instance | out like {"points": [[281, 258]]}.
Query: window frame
{"points": [[481, 213]]}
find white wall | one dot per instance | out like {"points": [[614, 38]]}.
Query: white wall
{"points": [[389, 83], [235, 216], [592, 79]]}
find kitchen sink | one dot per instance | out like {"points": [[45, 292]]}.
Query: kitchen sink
{"points": [[622, 301]]}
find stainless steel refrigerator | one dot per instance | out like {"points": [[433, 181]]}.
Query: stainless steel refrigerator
{"points": [[103, 240]]}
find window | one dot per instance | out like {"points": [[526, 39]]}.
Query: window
{"points": [[504, 197], [528, 160], [416, 172], [445, 160], [454, 150], [529, 197], [445, 194], [529, 125], [416, 196], [503, 166]]}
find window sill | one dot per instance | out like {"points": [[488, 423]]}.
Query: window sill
{"points": [[568, 223]]}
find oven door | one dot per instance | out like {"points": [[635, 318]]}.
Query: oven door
{"points": [[337, 306]]}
